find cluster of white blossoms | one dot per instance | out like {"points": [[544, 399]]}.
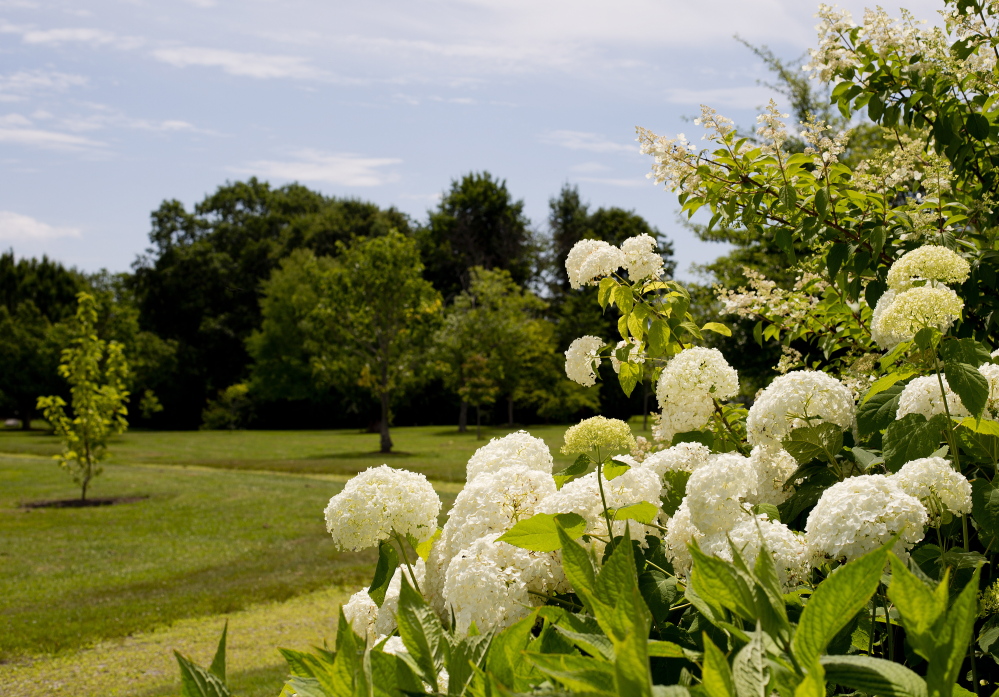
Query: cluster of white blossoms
{"points": [[636, 354], [789, 549], [800, 398], [859, 514], [937, 485], [385, 621], [520, 448], [581, 360], [598, 433], [688, 387], [682, 457], [917, 295], [923, 396], [379, 503], [361, 613], [773, 467], [590, 260]]}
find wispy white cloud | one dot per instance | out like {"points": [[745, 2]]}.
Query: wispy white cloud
{"points": [[258, 65], [341, 169], [17, 86], [79, 35], [581, 140], [51, 140], [15, 227], [589, 168]]}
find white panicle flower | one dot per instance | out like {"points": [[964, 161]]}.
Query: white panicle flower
{"points": [[582, 497], [680, 532], [361, 614], [791, 400], [859, 514], [685, 457], [598, 432], [489, 584], [914, 309], [773, 467], [581, 360], [520, 448], [635, 355], [933, 481], [641, 258], [789, 549], [377, 502], [717, 491], [688, 385], [590, 260], [492, 503], [385, 623], [928, 263], [922, 396]]}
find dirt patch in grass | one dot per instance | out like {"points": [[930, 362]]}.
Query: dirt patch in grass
{"points": [[84, 503]]}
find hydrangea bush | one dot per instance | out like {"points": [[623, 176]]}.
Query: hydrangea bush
{"points": [[829, 538]]}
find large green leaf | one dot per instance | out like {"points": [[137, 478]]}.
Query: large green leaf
{"points": [[578, 673], [965, 351], [675, 488], [642, 512], [877, 412], [985, 508], [874, 676], [217, 667], [820, 442], [919, 605], [577, 565], [835, 602], [628, 375], [388, 562], [953, 637], [195, 681], [716, 676], [721, 583], [911, 438], [749, 668], [539, 533], [659, 592], [969, 384], [470, 651], [505, 659], [422, 633]]}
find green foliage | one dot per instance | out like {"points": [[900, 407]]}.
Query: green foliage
{"points": [[230, 411], [96, 371]]}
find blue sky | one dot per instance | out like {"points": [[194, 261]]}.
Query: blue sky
{"points": [[108, 107]]}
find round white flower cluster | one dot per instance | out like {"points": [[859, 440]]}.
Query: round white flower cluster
{"points": [[773, 466], [792, 401], [859, 514], [361, 614], [385, 621], [590, 260], [641, 258], [598, 432], [922, 396], [717, 492], [682, 457], [789, 549], [520, 448], [898, 316], [635, 355], [937, 485], [378, 502], [581, 360], [931, 263], [688, 386], [991, 373]]}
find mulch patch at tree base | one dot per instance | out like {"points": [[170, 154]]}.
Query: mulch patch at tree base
{"points": [[78, 503]]}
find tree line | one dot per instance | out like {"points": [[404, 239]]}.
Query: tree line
{"points": [[279, 307]]}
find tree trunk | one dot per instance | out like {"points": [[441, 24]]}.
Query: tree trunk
{"points": [[463, 417], [27, 411], [509, 411], [478, 423], [386, 438]]}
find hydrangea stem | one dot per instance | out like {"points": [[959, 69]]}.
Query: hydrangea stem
{"points": [[603, 497], [405, 558]]}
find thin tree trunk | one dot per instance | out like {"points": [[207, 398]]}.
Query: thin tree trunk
{"points": [[26, 414], [509, 410], [386, 438], [463, 417], [478, 423]]}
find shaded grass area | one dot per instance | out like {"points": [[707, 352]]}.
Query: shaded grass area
{"points": [[204, 542]]}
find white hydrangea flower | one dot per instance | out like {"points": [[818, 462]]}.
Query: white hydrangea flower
{"points": [[598, 432], [862, 513], [590, 260], [685, 457], [914, 309], [688, 385], [789, 549], [385, 622], [928, 263], [773, 466], [680, 532], [641, 258], [935, 482], [581, 360], [520, 448], [716, 492], [881, 334], [991, 373], [582, 497], [922, 396], [361, 612], [635, 355], [492, 503], [378, 501], [790, 399], [490, 583]]}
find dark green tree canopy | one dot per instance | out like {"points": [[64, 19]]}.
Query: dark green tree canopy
{"points": [[477, 224], [47, 284]]}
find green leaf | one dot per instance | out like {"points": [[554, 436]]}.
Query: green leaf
{"points": [[985, 508], [836, 256], [716, 676], [659, 592], [911, 438], [388, 562], [195, 681], [878, 411], [771, 511], [717, 328], [657, 337], [784, 240], [919, 605], [986, 427], [607, 286], [874, 676], [614, 469], [749, 668], [952, 639], [720, 583], [422, 549], [865, 458], [217, 667], [666, 649], [577, 566], [675, 488], [422, 633], [470, 651], [623, 298], [927, 338], [539, 533], [836, 601], [578, 467], [578, 673], [978, 126], [628, 375], [643, 512], [505, 659], [969, 384], [886, 381], [820, 442], [965, 351], [822, 205]]}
